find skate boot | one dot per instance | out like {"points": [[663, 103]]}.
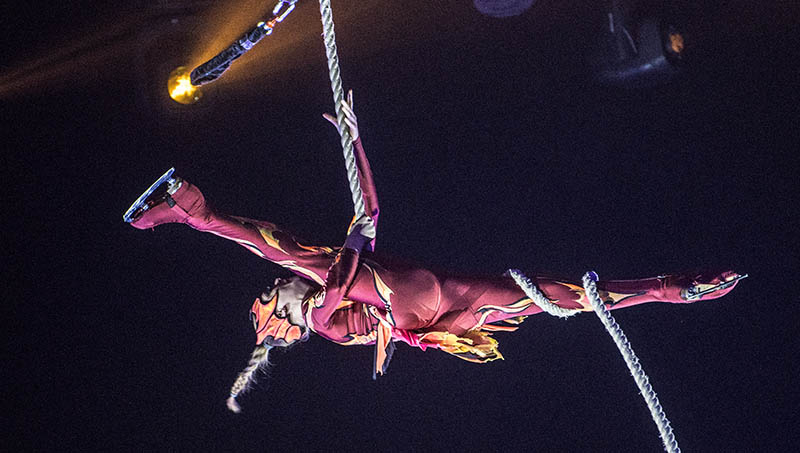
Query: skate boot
{"points": [[673, 288], [168, 200], [705, 286]]}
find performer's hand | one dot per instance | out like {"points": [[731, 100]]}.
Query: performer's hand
{"points": [[349, 117], [361, 232], [363, 226]]}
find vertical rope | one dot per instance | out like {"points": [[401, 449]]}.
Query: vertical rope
{"points": [[589, 285], [338, 97], [664, 428]]}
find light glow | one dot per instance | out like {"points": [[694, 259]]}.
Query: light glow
{"points": [[676, 42], [180, 87]]}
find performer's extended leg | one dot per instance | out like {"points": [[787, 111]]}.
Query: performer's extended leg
{"points": [[499, 300], [188, 205], [673, 288]]}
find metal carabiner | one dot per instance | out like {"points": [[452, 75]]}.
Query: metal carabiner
{"points": [[277, 9]]}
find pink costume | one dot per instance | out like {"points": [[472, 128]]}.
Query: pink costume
{"points": [[363, 300]]}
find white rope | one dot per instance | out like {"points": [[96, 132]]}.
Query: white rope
{"points": [[589, 285], [338, 96], [537, 297], [649, 395]]}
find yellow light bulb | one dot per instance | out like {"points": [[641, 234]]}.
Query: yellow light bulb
{"points": [[180, 87]]}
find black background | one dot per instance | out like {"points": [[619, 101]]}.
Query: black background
{"points": [[490, 149]]}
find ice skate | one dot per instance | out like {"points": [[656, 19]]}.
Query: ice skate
{"points": [[717, 287], [704, 286], [168, 200], [158, 192]]}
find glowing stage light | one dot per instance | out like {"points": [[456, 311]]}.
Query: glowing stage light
{"points": [[180, 87], [676, 44]]}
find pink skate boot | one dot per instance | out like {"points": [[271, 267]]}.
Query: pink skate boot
{"points": [[168, 200], [704, 286]]}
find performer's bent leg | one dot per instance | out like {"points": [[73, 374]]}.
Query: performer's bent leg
{"points": [[188, 205]]}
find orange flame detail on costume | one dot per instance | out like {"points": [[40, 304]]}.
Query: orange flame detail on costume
{"points": [[267, 324], [473, 346], [316, 249], [344, 304], [269, 238], [384, 293], [498, 328]]}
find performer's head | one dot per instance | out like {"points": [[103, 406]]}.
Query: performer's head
{"points": [[278, 319], [277, 314]]}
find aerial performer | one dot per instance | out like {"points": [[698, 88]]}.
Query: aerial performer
{"points": [[352, 297]]}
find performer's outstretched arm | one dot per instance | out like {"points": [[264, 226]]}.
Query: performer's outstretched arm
{"points": [[369, 193]]}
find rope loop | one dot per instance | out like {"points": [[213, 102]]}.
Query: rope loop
{"points": [[624, 346]]}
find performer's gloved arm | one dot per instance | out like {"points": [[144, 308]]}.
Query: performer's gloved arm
{"points": [[343, 271], [369, 193]]}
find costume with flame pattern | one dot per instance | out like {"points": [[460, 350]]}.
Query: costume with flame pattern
{"points": [[365, 300]]}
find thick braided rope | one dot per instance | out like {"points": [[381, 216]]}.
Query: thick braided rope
{"points": [[338, 96], [537, 297], [257, 358], [664, 428]]}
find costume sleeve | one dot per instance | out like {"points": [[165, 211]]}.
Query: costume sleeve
{"points": [[369, 193], [340, 277]]}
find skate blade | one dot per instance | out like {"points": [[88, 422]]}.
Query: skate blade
{"points": [[713, 289], [140, 202]]}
